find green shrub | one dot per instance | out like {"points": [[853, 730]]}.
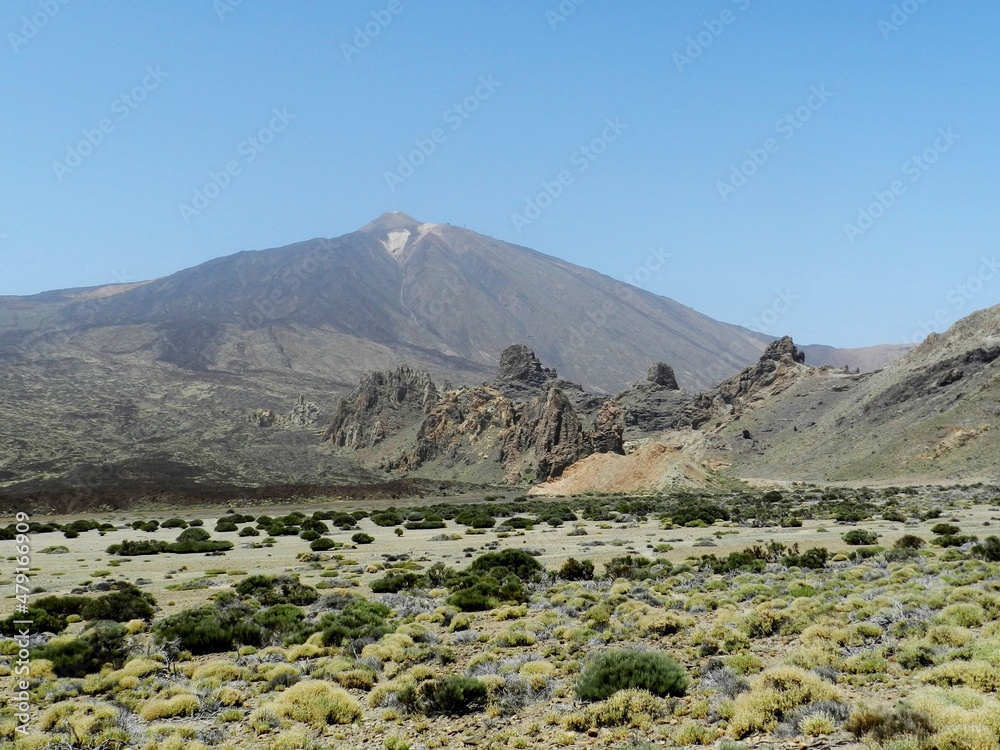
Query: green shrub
{"points": [[281, 620], [860, 537], [577, 570], [395, 582], [344, 521], [621, 669], [953, 540], [909, 541], [687, 511], [944, 529], [189, 548], [988, 549], [175, 523], [249, 531], [509, 562], [222, 626], [282, 589], [865, 553], [128, 603], [362, 538], [194, 534], [427, 523], [101, 643], [129, 548], [517, 522], [358, 618], [453, 696], [322, 544], [477, 518], [628, 566], [387, 518], [225, 525], [814, 558]]}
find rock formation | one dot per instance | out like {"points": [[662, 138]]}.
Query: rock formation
{"points": [[523, 424], [382, 404]]}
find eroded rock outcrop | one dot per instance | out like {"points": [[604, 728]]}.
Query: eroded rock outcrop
{"points": [[381, 405], [523, 424]]}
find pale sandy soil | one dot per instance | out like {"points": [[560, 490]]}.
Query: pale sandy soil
{"points": [[60, 573]]}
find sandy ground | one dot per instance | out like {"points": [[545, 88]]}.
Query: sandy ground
{"points": [[87, 560]]}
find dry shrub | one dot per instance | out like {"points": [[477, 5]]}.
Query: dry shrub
{"points": [[774, 694], [224, 671], [168, 708], [316, 703], [625, 708], [979, 675]]}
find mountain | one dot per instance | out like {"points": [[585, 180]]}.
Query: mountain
{"points": [[863, 359], [171, 380], [227, 372], [930, 416]]}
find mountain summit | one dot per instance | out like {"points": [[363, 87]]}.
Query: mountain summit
{"points": [[174, 376]]}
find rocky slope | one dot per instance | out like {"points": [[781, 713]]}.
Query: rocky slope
{"points": [[222, 373], [524, 424], [931, 416]]}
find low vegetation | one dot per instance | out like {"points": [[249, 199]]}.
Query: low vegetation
{"points": [[886, 634]]}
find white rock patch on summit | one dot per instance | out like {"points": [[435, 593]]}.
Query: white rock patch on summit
{"points": [[396, 242]]}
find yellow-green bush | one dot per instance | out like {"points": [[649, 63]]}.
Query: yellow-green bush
{"points": [[316, 703], [229, 696], [665, 623], [625, 708], [979, 675], [510, 612], [83, 719], [966, 615], [179, 705], [773, 694], [693, 733], [515, 637], [223, 671], [141, 667], [356, 679], [296, 738], [818, 724], [304, 651], [965, 737]]}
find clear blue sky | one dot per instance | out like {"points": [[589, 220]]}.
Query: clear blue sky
{"points": [[774, 250]]}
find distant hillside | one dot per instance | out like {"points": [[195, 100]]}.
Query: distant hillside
{"points": [[228, 372], [930, 416]]}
